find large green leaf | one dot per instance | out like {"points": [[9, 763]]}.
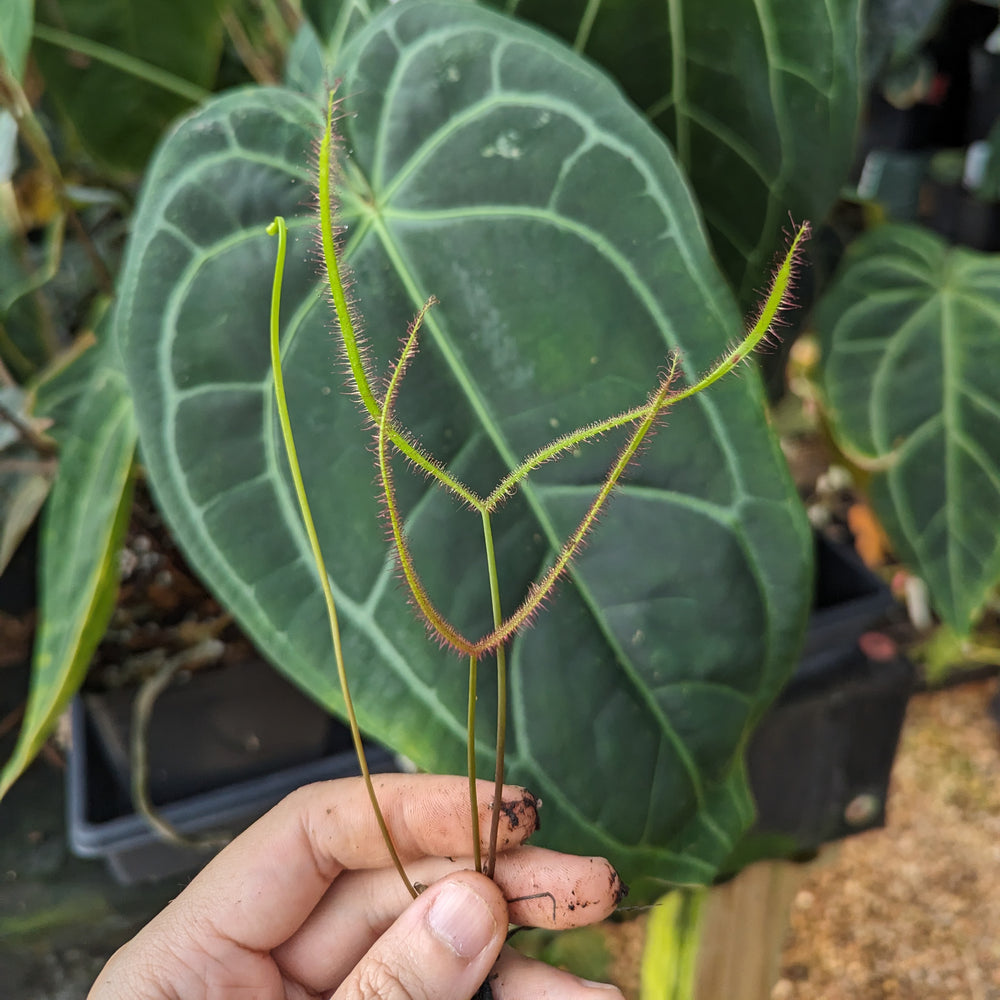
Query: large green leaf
{"points": [[490, 166], [338, 21], [83, 525], [116, 115], [760, 101], [911, 354], [15, 34], [895, 30]]}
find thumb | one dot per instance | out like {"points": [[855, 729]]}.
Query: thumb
{"points": [[441, 948]]}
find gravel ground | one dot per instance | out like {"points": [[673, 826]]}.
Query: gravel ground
{"points": [[913, 911]]}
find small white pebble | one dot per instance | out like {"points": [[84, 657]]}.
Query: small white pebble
{"points": [[783, 989]]}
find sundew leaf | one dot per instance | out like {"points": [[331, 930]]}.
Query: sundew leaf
{"points": [[911, 334], [492, 167], [759, 100]]}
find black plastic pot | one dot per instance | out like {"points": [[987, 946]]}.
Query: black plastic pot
{"points": [[820, 761], [223, 748], [848, 599], [229, 744]]}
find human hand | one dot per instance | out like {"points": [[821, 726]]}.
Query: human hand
{"points": [[305, 905]]}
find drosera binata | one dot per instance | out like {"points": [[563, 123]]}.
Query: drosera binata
{"points": [[378, 397]]}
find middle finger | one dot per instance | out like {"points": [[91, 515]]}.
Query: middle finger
{"points": [[543, 888]]}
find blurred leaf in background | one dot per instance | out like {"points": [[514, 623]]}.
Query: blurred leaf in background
{"points": [[149, 60]]}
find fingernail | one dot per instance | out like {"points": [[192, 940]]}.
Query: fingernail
{"points": [[462, 920], [591, 985]]}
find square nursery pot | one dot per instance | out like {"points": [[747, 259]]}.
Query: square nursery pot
{"points": [[223, 748], [230, 743], [819, 763]]}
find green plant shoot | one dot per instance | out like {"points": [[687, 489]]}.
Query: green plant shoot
{"points": [[393, 438]]}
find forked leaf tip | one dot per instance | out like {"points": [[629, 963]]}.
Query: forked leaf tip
{"points": [[781, 287]]}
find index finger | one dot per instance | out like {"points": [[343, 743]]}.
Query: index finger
{"points": [[264, 885]]}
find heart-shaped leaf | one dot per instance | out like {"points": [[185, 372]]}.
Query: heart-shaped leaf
{"points": [[760, 102], [911, 334], [492, 167], [894, 31]]}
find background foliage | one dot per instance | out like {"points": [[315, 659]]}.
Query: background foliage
{"points": [[581, 200]]}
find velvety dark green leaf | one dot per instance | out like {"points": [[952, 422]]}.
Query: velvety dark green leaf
{"points": [[338, 21], [116, 116], [324, 37], [912, 349], [305, 69], [16, 17], [492, 167], [82, 528], [895, 30], [989, 186], [760, 101]]}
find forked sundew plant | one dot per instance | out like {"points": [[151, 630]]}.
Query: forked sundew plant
{"points": [[379, 394]]}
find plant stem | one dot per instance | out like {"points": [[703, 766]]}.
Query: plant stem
{"points": [[585, 26], [470, 735], [501, 655], [559, 446], [10, 350], [205, 652], [279, 227], [39, 443], [122, 61], [283, 20], [256, 66]]}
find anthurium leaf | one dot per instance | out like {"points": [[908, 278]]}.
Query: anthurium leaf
{"points": [[116, 115], [895, 30], [491, 167], [338, 21], [989, 185], [305, 69], [82, 528], [321, 40], [760, 101], [911, 333]]}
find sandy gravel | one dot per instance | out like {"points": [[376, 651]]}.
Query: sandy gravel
{"points": [[913, 911]]}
